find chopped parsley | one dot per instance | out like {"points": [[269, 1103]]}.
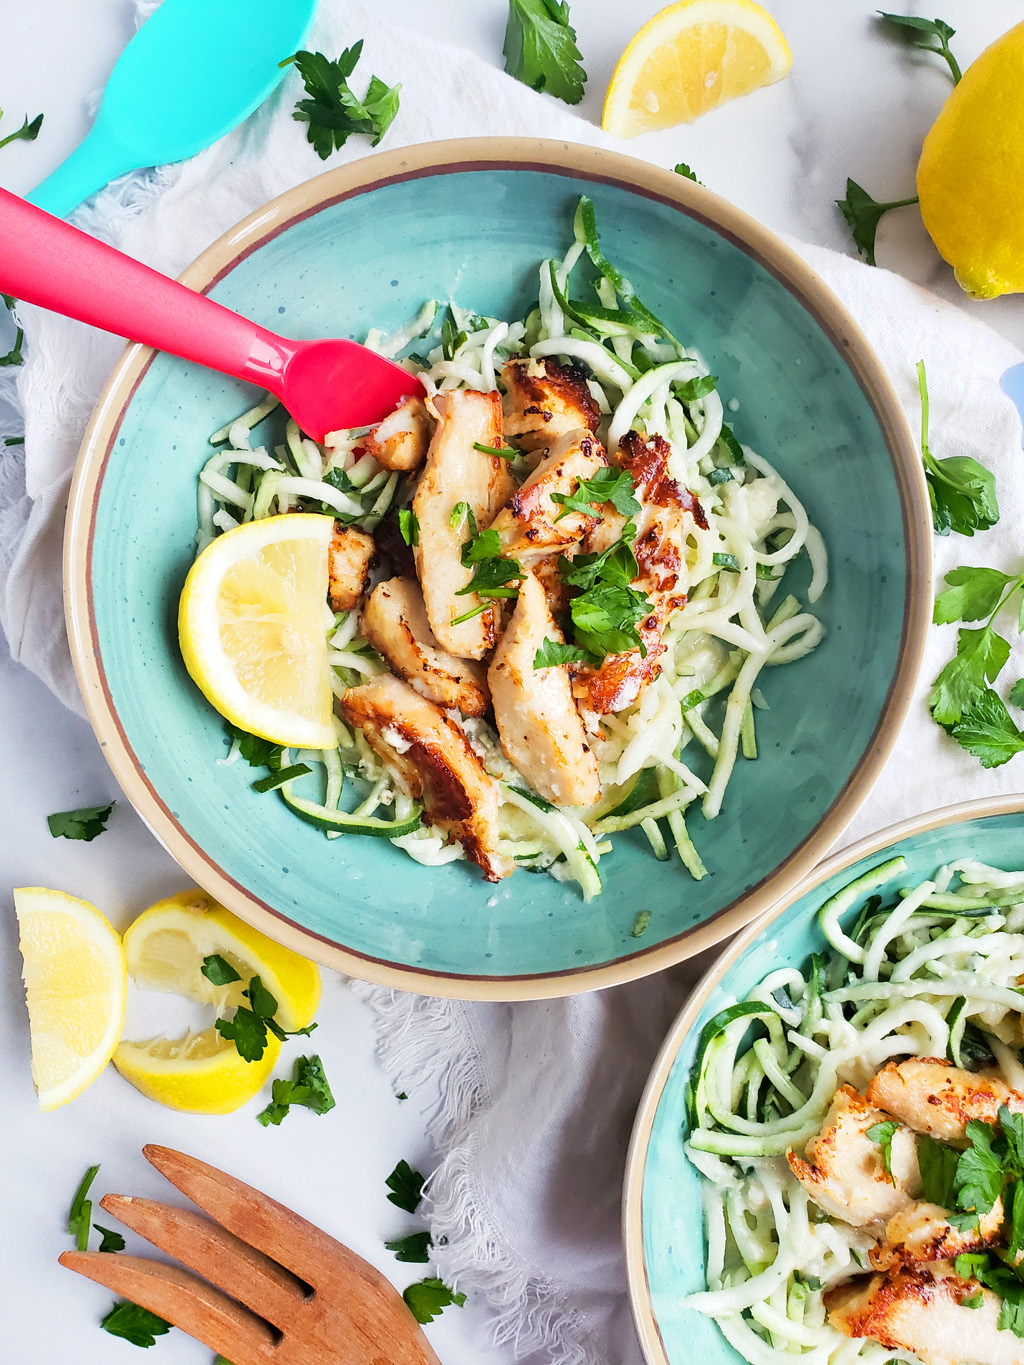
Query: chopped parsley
{"points": [[462, 512], [863, 215], [308, 1088], [85, 823], [553, 652], [883, 1134], [427, 1298], [492, 573], [249, 1026], [332, 112], [134, 1324], [14, 356], [681, 168], [415, 1248], [690, 390], [608, 484], [605, 619], [218, 970], [961, 491], [643, 919], [540, 48], [257, 752], [499, 452], [109, 1240], [406, 1186], [80, 1211], [409, 525], [725, 561]]}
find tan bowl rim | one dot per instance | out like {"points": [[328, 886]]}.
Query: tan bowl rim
{"points": [[636, 1157], [557, 158]]}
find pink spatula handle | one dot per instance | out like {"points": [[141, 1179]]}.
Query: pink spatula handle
{"points": [[47, 262]]}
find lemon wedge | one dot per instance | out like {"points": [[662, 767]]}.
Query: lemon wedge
{"points": [[203, 1072], [251, 624], [74, 971], [692, 57]]}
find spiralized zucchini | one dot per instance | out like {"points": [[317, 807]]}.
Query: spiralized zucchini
{"points": [[929, 970], [733, 624]]}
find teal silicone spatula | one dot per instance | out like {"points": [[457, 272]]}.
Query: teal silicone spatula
{"points": [[193, 72]]}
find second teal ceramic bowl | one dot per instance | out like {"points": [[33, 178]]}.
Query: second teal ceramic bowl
{"points": [[662, 1221], [363, 247]]}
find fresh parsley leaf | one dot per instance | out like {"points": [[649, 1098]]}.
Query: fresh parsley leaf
{"points": [[690, 390], [681, 168], [333, 113], [109, 1240], [415, 1248], [552, 653], [980, 654], [617, 564], [338, 478], [979, 1171], [401, 1095], [974, 1300], [491, 572], [540, 48], [938, 1165], [428, 1297], [608, 485], [257, 752], [986, 730], [962, 492], [308, 1088], [643, 919], [920, 30], [863, 213], [724, 561], [85, 823], [1011, 1317], [973, 595], [963, 1222], [277, 779], [260, 998], [247, 1031], [1013, 1196], [28, 132], [462, 512], [218, 970], [1017, 692], [134, 1324], [406, 1186], [1012, 1125], [606, 617], [499, 452], [80, 1211], [409, 525], [967, 1265], [14, 355], [883, 1134]]}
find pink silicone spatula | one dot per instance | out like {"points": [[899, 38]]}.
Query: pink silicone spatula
{"points": [[325, 385]]}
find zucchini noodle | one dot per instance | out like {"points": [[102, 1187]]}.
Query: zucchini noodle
{"points": [[677, 737], [917, 967]]}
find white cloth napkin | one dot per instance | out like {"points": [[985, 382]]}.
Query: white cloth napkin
{"points": [[537, 1099]]}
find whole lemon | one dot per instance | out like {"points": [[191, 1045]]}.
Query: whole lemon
{"points": [[970, 178]]}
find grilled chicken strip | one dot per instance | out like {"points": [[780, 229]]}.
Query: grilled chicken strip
{"points": [[431, 760], [539, 726], [530, 521], [843, 1170], [401, 440], [922, 1311], [667, 515], [348, 566], [922, 1233], [394, 621], [544, 401], [936, 1098], [454, 472]]}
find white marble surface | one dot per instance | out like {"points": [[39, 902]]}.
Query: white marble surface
{"points": [[856, 103]]}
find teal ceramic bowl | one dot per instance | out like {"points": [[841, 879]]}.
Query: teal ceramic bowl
{"points": [[662, 1220], [363, 247]]}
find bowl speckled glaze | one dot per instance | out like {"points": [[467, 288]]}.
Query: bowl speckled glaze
{"points": [[663, 1226], [363, 247]]}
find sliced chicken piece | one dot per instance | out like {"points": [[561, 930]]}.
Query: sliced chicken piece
{"points": [[531, 522], [544, 401], [939, 1099], [401, 440], [348, 566], [455, 472], [922, 1233], [667, 515], [394, 621], [923, 1311], [432, 761], [843, 1170], [539, 726]]}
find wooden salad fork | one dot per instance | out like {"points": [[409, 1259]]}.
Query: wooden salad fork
{"points": [[275, 1289]]}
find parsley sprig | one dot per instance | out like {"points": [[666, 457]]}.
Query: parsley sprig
{"points": [[80, 1211], [493, 574], [86, 823], [540, 48], [961, 491], [333, 112], [134, 1324], [250, 1024], [406, 1186], [606, 611], [608, 484], [863, 215], [28, 132], [309, 1088], [918, 32], [961, 700], [427, 1298]]}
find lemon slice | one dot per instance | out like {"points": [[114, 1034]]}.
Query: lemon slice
{"points": [[251, 623], [202, 1072], [692, 57], [74, 972]]}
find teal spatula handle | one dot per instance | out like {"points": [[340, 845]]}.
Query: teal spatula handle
{"points": [[98, 158]]}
